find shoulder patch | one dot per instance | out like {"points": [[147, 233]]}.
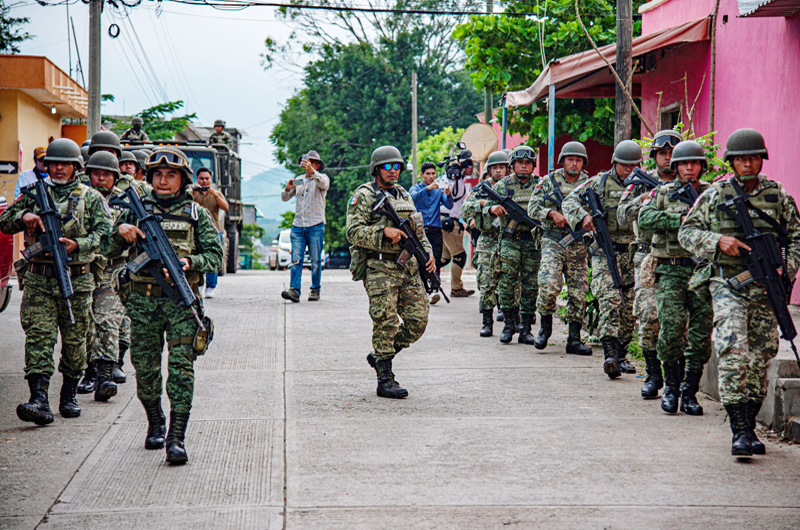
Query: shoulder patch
{"points": [[650, 197], [627, 192], [353, 200]]}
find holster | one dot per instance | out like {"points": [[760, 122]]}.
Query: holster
{"points": [[21, 267]]}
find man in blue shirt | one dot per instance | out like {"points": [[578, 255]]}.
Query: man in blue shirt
{"points": [[428, 197], [28, 177]]}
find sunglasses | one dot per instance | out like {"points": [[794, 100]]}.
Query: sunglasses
{"points": [[167, 157], [388, 167], [666, 142]]}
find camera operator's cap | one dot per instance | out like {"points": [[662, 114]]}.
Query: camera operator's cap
{"points": [[39, 153], [313, 155]]}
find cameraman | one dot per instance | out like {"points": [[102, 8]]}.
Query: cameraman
{"points": [[452, 227], [429, 197]]}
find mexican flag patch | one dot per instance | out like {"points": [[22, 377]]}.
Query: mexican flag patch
{"points": [[353, 201]]}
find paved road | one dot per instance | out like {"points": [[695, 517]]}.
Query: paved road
{"points": [[287, 432]]}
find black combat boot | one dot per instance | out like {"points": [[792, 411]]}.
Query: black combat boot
{"points": [[525, 336], [752, 411], [117, 375], [518, 319], [610, 362], [689, 388], [509, 327], [624, 366], [488, 323], [737, 415], [86, 386], [672, 382], [574, 344], [104, 388], [176, 451], [37, 409], [387, 386], [545, 330], [156, 424], [654, 381], [68, 404], [500, 315]]}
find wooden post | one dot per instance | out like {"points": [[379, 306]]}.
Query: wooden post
{"points": [[622, 108], [414, 168]]}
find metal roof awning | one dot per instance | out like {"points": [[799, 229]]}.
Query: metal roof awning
{"points": [[768, 8], [586, 75]]}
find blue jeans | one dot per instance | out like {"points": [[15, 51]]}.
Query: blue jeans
{"points": [[211, 277], [310, 236]]}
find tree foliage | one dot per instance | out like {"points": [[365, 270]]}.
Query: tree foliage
{"points": [[11, 33], [436, 147], [160, 121]]}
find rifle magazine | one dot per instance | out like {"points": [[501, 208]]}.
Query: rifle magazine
{"points": [[741, 280]]}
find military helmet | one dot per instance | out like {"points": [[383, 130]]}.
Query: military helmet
{"points": [[523, 152], [85, 152], [141, 157], [86, 143], [128, 156], [385, 155], [745, 142], [63, 150], [219, 122], [507, 152], [498, 158], [573, 149], [105, 161], [666, 139], [627, 152], [137, 121], [105, 140], [147, 153], [171, 158], [688, 150]]}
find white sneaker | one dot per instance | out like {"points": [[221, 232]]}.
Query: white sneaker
{"points": [[209, 292], [434, 297]]}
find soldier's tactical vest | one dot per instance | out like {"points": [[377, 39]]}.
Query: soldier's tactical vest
{"points": [[665, 242], [180, 225], [767, 199], [484, 222], [72, 210], [116, 211], [522, 196], [611, 192], [566, 189], [644, 237], [403, 204], [126, 181]]}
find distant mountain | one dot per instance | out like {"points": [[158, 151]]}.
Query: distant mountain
{"points": [[264, 190]]}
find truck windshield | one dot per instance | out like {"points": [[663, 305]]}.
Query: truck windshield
{"points": [[198, 159]]}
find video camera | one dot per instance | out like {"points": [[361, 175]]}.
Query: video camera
{"points": [[456, 164]]}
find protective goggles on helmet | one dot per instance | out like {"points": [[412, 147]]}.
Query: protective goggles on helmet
{"points": [[524, 155], [665, 142], [390, 166], [169, 158]]}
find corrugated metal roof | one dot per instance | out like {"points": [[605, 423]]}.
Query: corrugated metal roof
{"points": [[768, 8]]}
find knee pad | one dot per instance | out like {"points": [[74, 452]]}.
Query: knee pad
{"points": [[460, 259]]}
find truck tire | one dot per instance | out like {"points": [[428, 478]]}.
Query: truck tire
{"points": [[233, 252]]}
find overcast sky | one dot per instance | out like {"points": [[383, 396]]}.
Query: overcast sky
{"points": [[205, 57]]}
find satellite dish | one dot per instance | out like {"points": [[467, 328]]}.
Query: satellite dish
{"points": [[481, 139]]}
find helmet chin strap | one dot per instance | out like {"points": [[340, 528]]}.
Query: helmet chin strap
{"points": [[666, 170]]}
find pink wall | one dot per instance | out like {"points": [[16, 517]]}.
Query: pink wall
{"points": [[758, 80]]}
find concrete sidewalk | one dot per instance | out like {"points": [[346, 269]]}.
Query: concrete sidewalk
{"points": [[287, 432]]}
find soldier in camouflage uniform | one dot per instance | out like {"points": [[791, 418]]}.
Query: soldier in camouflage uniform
{"points": [[135, 133], [153, 314], [393, 290], [644, 305], [678, 305], [219, 136], [615, 327], [745, 328], [487, 250], [558, 262], [520, 251], [43, 312]]}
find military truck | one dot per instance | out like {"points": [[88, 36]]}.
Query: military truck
{"points": [[226, 170]]}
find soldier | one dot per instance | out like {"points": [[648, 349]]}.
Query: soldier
{"points": [[153, 314], [141, 156], [128, 165], [43, 312], [559, 263], [519, 252], [219, 136], [392, 289], [135, 133], [663, 213], [644, 305], [745, 328], [615, 327], [488, 248]]}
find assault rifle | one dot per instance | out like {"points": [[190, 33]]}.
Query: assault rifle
{"points": [[762, 262], [640, 178], [556, 196], [514, 212], [411, 245], [49, 241], [157, 253], [686, 194], [601, 236]]}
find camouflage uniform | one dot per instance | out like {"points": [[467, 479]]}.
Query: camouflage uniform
{"points": [[221, 138], [135, 136], [487, 251]]}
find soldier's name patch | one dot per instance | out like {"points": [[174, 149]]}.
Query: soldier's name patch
{"points": [[174, 225]]}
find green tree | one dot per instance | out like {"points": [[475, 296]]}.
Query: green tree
{"points": [[287, 220], [506, 53], [160, 121], [11, 34], [434, 148]]}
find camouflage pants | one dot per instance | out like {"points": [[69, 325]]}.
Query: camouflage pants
{"points": [[151, 319], [559, 264], [745, 339], [519, 269], [678, 306], [615, 320], [108, 312], [395, 293], [488, 269], [43, 314], [645, 310], [125, 332]]}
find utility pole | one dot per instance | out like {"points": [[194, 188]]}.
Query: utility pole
{"points": [[414, 169], [487, 103], [95, 12], [622, 109]]}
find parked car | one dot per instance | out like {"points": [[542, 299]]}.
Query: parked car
{"points": [[280, 252], [339, 258], [323, 257], [6, 260]]}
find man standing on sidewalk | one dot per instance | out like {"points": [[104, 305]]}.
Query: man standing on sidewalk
{"points": [[207, 196], [453, 230], [308, 228], [29, 177], [429, 197]]}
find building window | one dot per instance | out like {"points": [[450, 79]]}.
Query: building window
{"points": [[670, 116]]}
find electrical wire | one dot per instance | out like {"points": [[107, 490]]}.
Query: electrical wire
{"points": [[147, 60], [126, 41]]}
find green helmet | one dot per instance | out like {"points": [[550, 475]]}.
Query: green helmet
{"points": [[523, 152], [507, 152], [128, 156], [745, 142], [105, 140], [384, 155], [498, 158], [85, 152], [171, 158], [63, 150], [137, 121], [86, 143], [666, 139], [627, 152], [141, 157], [105, 161], [147, 153], [574, 149], [219, 122], [688, 150]]}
